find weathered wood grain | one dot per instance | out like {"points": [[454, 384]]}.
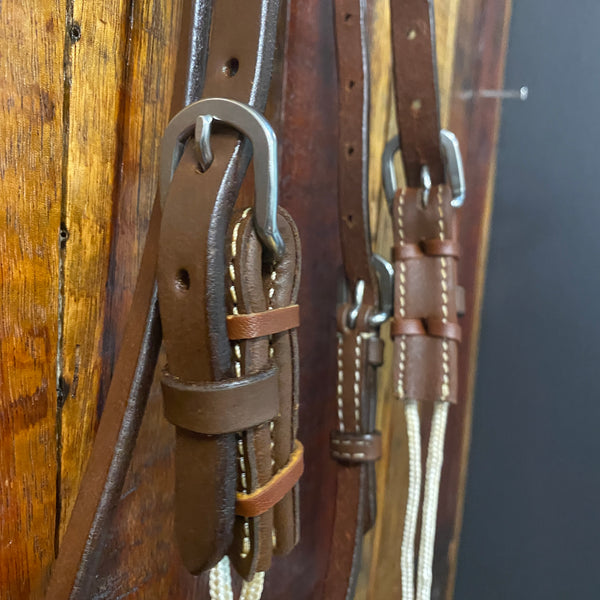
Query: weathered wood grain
{"points": [[95, 65], [31, 149]]}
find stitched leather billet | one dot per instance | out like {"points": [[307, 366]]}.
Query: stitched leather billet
{"points": [[425, 327], [359, 349], [256, 285]]}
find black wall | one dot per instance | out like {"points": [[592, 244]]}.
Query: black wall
{"points": [[532, 517]]}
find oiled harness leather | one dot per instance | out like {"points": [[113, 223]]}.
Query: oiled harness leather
{"points": [[228, 315], [355, 445], [425, 328]]}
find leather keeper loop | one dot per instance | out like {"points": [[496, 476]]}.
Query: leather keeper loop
{"points": [[219, 407], [267, 496], [433, 327], [448, 248], [255, 325], [356, 447]]}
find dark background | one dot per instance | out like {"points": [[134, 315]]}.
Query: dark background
{"points": [[532, 515]]}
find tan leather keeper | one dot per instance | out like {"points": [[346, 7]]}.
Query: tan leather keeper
{"points": [[255, 325], [219, 407], [356, 447], [267, 496]]}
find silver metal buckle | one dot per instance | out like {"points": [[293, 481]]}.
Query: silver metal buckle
{"points": [[385, 276], [452, 162], [197, 118]]}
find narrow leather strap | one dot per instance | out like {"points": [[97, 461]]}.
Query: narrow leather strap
{"points": [[267, 496], [256, 285], [415, 80], [101, 485], [356, 447], [268, 322], [358, 353], [218, 407], [196, 216]]}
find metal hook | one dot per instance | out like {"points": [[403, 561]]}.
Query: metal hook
{"points": [[197, 119]]}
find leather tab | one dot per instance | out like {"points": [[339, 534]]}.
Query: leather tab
{"points": [[356, 447], [255, 325], [218, 407], [431, 326], [267, 496]]}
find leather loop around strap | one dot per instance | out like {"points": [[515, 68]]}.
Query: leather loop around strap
{"points": [[433, 247], [356, 447], [255, 325], [431, 326], [218, 407], [267, 496]]}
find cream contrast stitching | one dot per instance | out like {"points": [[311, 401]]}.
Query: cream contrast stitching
{"points": [[357, 365], [272, 281], [237, 352], [402, 297], [340, 382], [445, 391], [347, 455]]}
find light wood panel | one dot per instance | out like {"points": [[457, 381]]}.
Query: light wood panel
{"points": [[31, 149]]}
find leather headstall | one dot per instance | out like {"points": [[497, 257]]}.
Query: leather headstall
{"points": [[228, 282], [366, 302], [226, 275]]}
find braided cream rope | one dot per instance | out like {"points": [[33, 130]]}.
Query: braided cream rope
{"points": [[413, 428], [433, 470], [219, 583]]}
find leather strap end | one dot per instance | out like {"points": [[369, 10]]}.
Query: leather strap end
{"points": [[267, 496], [218, 407], [356, 447], [435, 248], [269, 322]]}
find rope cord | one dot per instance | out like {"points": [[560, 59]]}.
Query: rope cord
{"points": [[433, 470], [414, 493], [220, 588]]}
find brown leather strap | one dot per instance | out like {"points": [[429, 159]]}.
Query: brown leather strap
{"points": [[219, 407], [425, 328], [100, 489], [359, 350], [255, 286], [267, 496], [268, 322], [356, 447], [415, 79], [196, 215]]}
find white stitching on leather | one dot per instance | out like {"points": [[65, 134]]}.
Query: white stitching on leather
{"points": [[340, 382], [445, 391], [402, 296], [237, 352], [357, 363]]}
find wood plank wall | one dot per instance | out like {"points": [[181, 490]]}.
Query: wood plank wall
{"points": [[84, 91]]}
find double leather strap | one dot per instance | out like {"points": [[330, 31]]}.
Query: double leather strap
{"points": [[425, 327], [355, 445], [229, 315]]}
